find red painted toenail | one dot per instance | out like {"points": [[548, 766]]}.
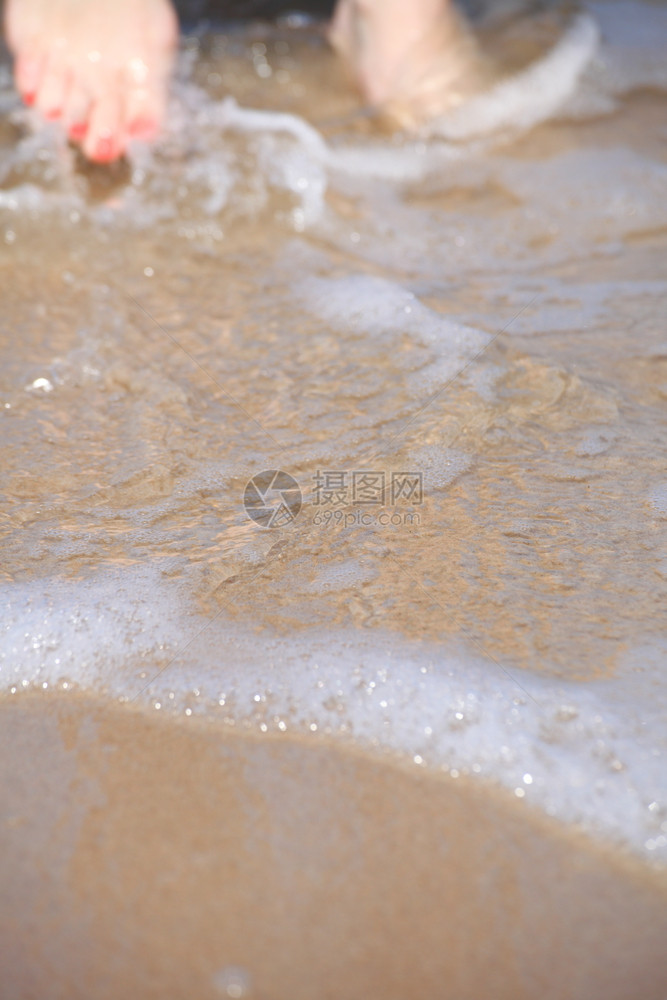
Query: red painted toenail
{"points": [[77, 130], [105, 151], [29, 98], [142, 128], [53, 113]]}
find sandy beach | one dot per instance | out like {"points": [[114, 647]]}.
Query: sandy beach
{"points": [[391, 725]]}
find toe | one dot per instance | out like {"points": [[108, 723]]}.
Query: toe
{"points": [[144, 113], [104, 141], [52, 92], [77, 112], [29, 72], [146, 93]]}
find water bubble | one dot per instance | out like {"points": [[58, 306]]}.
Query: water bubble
{"points": [[41, 385], [233, 982]]}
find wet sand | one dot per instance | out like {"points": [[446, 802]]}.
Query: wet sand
{"points": [[354, 758], [149, 855]]}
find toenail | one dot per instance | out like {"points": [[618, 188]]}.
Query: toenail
{"points": [[142, 128], [53, 113], [77, 130], [29, 98]]}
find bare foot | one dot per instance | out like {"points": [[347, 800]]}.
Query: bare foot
{"points": [[99, 66], [413, 59]]}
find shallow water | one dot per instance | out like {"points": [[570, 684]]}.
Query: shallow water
{"points": [[472, 321]]}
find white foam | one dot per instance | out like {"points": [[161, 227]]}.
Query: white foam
{"points": [[340, 576], [383, 309], [386, 312], [587, 752], [531, 96], [440, 466]]}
